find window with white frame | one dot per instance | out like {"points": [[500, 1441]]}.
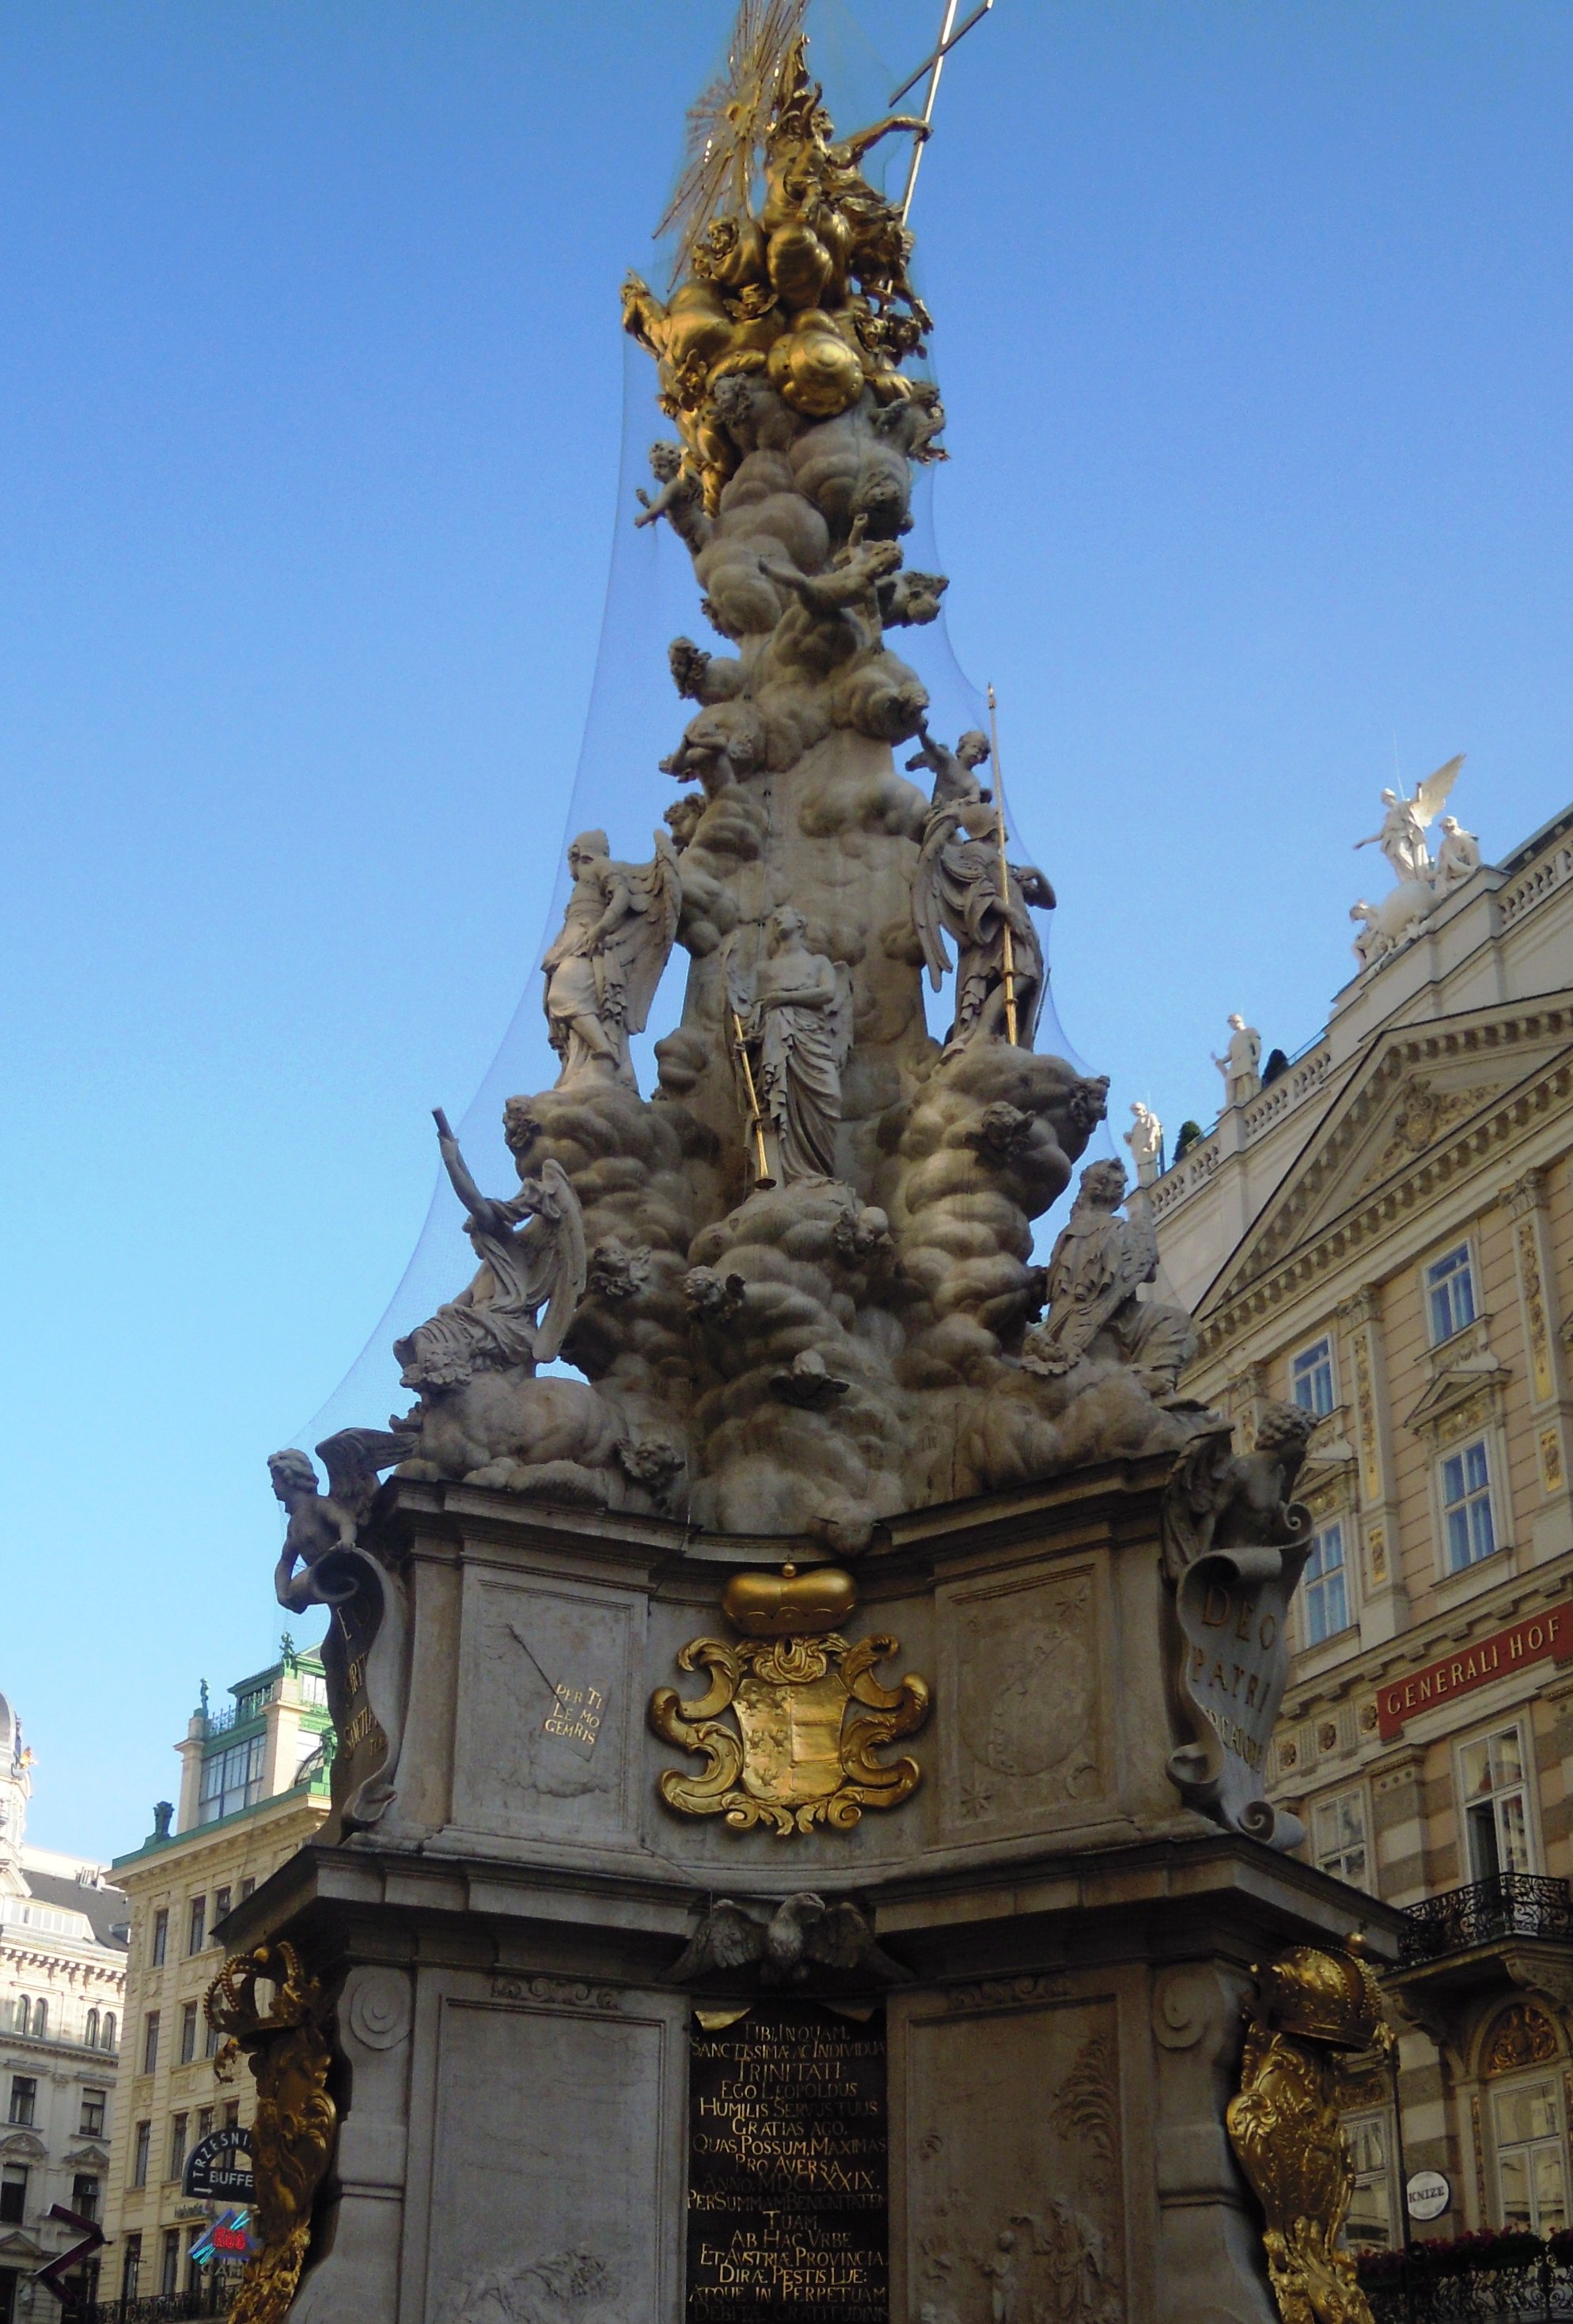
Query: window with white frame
{"points": [[1531, 2157], [1369, 2225], [1450, 1293], [1324, 1597], [1338, 1842], [1494, 1790], [1468, 1524], [1310, 1378]]}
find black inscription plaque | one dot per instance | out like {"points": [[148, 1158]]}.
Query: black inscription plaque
{"points": [[787, 2145]]}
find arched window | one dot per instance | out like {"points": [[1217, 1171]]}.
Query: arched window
{"points": [[1522, 2056], [109, 2029], [24, 2014], [41, 2018], [92, 2029]]}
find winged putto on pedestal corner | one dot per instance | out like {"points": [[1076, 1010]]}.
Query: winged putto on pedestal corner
{"points": [[797, 1278]]}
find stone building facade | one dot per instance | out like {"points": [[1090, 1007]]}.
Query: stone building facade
{"points": [[253, 1788], [62, 1988], [1385, 1233]]}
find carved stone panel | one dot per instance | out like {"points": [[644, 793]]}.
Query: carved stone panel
{"points": [[548, 1691], [1023, 1723], [547, 2179], [1016, 2167]]}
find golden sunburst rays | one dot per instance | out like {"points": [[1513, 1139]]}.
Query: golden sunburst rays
{"points": [[727, 124]]}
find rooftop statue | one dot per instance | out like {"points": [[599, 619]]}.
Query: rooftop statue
{"points": [[1388, 925], [1241, 1063]]}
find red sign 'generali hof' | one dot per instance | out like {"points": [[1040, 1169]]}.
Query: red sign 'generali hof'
{"points": [[1538, 1638]]}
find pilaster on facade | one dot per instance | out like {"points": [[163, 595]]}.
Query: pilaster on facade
{"points": [[1545, 1357], [1384, 1600]]}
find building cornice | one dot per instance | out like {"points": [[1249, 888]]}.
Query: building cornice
{"points": [[1283, 1269]]}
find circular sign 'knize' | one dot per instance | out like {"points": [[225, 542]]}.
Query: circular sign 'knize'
{"points": [[1427, 2194]]}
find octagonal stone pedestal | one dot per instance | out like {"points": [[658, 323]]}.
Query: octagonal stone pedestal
{"points": [[514, 2058]]}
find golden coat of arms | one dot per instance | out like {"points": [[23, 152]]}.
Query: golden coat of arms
{"points": [[807, 1713]]}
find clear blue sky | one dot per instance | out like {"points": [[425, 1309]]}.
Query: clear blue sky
{"points": [[1253, 329]]}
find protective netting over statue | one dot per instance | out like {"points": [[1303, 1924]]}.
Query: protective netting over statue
{"points": [[797, 1095]]}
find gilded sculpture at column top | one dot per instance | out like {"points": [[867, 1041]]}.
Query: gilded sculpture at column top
{"points": [[1314, 2005], [807, 1712], [286, 2047]]}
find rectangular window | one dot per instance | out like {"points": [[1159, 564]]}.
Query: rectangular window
{"points": [[1338, 1838], [196, 1934], [160, 1937], [170, 2262], [85, 2195], [24, 2098], [188, 2032], [142, 2154], [178, 2128], [231, 2113], [220, 1902], [1466, 1520], [1326, 1594], [1531, 2164], [231, 1780], [1451, 1293], [150, 2041], [204, 2123], [210, 2042], [1369, 2227], [131, 2270], [247, 1889], [1496, 1803], [94, 2105], [13, 2194], [1310, 1378]]}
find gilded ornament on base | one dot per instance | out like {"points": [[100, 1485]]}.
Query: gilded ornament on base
{"points": [[1314, 2005], [807, 1713], [286, 2047]]}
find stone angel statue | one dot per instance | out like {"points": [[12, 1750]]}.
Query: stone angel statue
{"points": [[319, 1522], [965, 889], [1405, 822], [795, 1016], [603, 967], [516, 1312]]}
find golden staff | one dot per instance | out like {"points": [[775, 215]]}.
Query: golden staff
{"points": [[762, 1177], [1008, 958]]}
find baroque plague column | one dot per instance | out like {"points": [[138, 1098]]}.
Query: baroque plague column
{"points": [[799, 1842]]}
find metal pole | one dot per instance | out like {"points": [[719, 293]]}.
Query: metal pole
{"points": [[1007, 959], [1402, 2168], [928, 105]]}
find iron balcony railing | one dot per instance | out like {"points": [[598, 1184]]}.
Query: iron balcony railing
{"points": [[1513, 1904], [156, 2307]]}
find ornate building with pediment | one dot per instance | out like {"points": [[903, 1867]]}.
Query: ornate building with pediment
{"points": [[64, 1930], [1383, 1233]]}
